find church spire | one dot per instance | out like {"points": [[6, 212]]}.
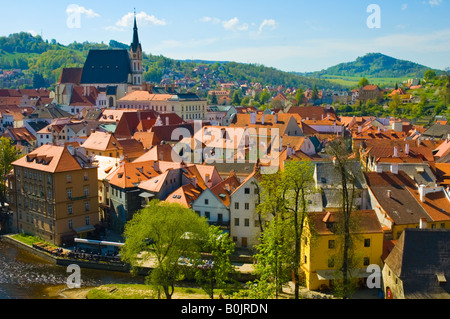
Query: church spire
{"points": [[135, 44]]}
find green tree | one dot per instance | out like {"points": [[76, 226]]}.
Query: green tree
{"points": [[218, 273], [299, 96], [8, 154], [429, 76], [213, 100], [363, 82], [236, 100], [315, 93], [285, 196], [340, 150], [161, 234]]}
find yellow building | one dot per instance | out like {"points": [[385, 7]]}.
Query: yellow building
{"points": [[323, 250], [54, 194]]}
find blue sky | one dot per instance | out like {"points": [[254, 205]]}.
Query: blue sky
{"points": [[289, 35]]}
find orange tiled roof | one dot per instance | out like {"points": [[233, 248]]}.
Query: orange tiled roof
{"points": [[129, 175], [49, 158]]}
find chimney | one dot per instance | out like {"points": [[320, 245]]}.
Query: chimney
{"points": [[275, 118], [289, 150], [423, 223], [167, 120], [394, 169], [253, 118], [389, 193], [422, 193], [395, 151], [407, 149], [262, 118]]}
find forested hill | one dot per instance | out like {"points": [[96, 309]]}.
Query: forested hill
{"points": [[47, 58], [375, 65]]}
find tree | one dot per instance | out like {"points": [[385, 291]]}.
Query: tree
{"points": [[340, 150], [236, 101], [161, 234], [8, 154], [363, 82], [265, 96], [315, 93], [429, 75], [285, 197], [216, 272], [213, 99], [299, 96]]}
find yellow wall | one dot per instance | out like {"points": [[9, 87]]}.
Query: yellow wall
{"points": [[317, 255]]}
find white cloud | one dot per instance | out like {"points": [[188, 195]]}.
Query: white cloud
{"points": [[404, 6], [267, 23], [210, 19], [76, 9], [233, 25], [142, 19], [435, 3]]}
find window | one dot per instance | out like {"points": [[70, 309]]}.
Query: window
{"points": [[330, 263], [206, 201], [247, 206], [236, 205], [69, 178], [69, 209], [366, 261], [331, 244], [247, 190], [86, 206], [442, 225], [367, 242], [69, 193], [86, 190], [70, 224], [246, 222], [236, 222], [207, 215], [87, 220], [86, 176]]}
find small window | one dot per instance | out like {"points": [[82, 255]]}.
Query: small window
{"points": [[247, 206], [206, 201], [367, 242], [330, 263], [366, 261], [247, 190], [68, 178], [331, 244], [236, 222], [236, 205], [247, 222], [207, 215]]}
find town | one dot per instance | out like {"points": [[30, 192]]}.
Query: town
{"points": [[245, 157]]}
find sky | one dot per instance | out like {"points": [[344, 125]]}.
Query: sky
{"points": [[290, 35]]}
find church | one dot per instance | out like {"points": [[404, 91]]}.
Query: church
{"points": [[111, 73]]}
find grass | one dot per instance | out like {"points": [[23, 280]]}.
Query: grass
{"points": [[28, 239], [133, 291], [350, 81]]}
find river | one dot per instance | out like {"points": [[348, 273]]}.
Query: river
{"points": [[24, 275]]}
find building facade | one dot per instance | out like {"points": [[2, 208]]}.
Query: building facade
{"points": [[54, 195]]}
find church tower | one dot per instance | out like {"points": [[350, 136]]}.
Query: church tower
{"points": [[136, 56]]}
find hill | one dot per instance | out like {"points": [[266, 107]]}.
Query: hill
{"points": [[376, 67], [34, 56]]}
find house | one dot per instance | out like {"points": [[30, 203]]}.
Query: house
{"points": [[322, 252], [328, 180], [401, 203], [21, 137], [245, 223], [370, 92], [214, 202], [124, 191], [436, 132], [54, 194], [418, 267]]}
